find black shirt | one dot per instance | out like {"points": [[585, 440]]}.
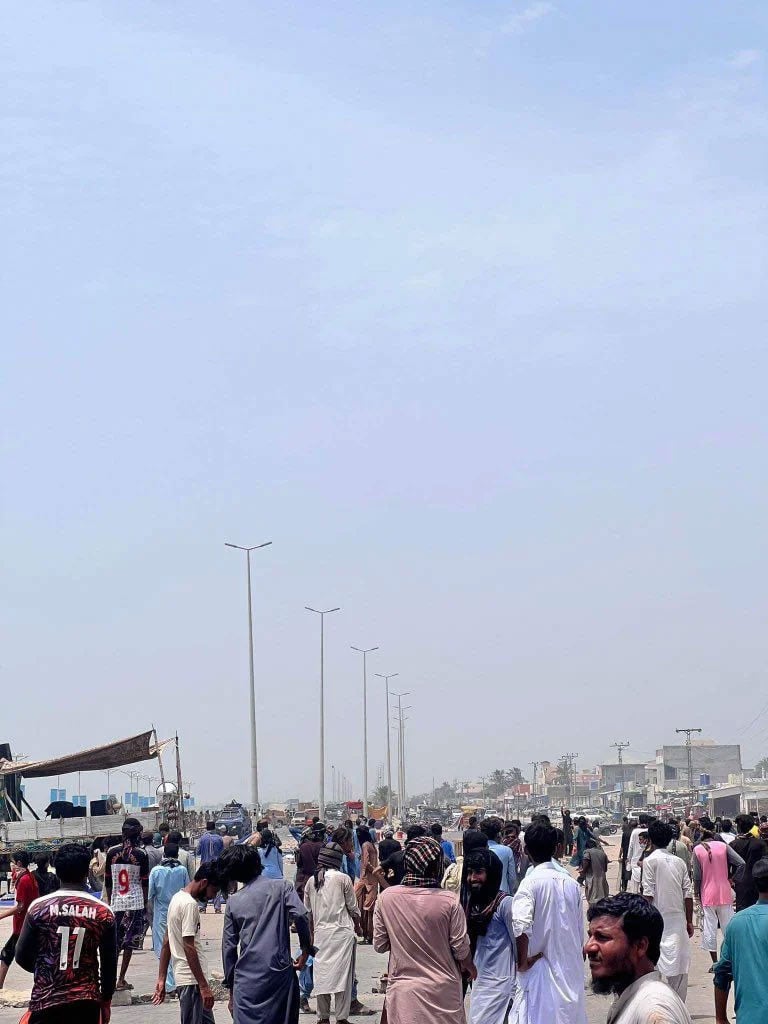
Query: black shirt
{"points": [[751, 850], [473, 839], [47, 882], [387, 847], [394, 867]]}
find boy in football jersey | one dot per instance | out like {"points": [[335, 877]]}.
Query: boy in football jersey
{"points": [[26, 892], [68, 943], [126, 885]]}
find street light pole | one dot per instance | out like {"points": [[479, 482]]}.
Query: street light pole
{"points": [[365, 654], [389, 755], [400, 753], [252, 696], [322, 614]]}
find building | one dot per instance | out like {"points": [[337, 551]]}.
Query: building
{"points": [[711, 765], [623, 785]]}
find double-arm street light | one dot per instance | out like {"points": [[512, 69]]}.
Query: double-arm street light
{"points": [[386, 679], [322, 614], [254, 757], [365, 654]]}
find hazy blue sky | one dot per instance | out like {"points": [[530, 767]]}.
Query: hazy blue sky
{"points": [[458, 303]]}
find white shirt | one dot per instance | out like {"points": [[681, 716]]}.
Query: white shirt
{"points": [[635, 849], [647, 1001], [666, 881], [547, 908], [183, 922]]}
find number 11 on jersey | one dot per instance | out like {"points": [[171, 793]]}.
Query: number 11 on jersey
{"points": [[63, 930]]}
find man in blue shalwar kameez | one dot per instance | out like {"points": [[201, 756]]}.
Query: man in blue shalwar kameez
{"points": [[256, 944], [165, 880]]}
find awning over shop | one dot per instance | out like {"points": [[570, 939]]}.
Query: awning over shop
{"points": [[112, 755]]}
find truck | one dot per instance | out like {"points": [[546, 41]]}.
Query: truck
{"points": [[236, 819]]}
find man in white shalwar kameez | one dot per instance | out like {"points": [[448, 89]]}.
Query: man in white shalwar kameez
{"points": [[623, 948], [549, 935], [667, 885], [329, 896]]}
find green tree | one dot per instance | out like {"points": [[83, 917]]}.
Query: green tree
{"points": [[497, 782], [379, 797], [762, 766], [516, 777], [563, 777], [501, 779]]}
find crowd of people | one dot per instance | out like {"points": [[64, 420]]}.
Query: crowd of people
{"points": [[503, 922]]}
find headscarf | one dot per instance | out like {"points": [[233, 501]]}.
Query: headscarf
{"points": [[423, 863], [483, 903], [330, 856], [387, 833], [317, 831]]}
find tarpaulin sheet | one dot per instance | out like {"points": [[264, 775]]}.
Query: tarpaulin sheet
{"points": [[112, 755]]}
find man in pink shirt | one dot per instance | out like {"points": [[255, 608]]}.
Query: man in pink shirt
{"points": [[715, 867], [424, 930]]}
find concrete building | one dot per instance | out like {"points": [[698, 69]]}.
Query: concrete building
{"points": [[712, 764]]}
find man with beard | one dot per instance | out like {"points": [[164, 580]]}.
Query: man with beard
{"points": [[491, 937], [549, 932], [623, 949]]}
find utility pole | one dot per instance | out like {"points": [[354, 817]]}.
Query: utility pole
{"points": [[570, 758], [535, 766], [620, 748], [689, 752]]}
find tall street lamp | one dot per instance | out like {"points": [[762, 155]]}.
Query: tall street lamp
{"points": [[254, 757], [400, 752], [322, 614], [365, 654], [389, 756]]}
